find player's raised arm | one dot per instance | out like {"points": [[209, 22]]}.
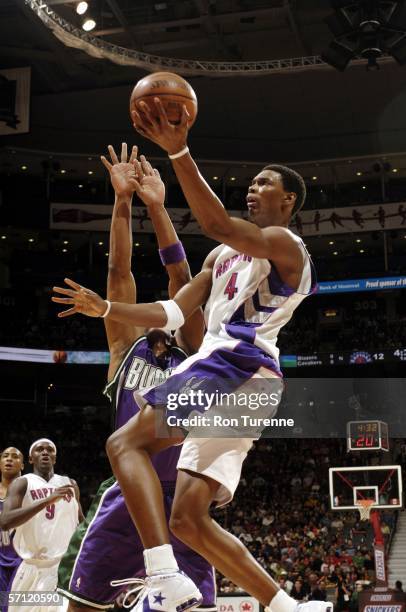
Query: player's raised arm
{"points": [[152, 192], [256, 239], [121, 285]]}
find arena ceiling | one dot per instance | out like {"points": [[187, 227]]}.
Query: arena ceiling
{"points": [[80, 103]]}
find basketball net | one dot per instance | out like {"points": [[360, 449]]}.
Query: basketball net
{"points": [[365, 507]]}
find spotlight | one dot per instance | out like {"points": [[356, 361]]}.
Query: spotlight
{"points": [[81, 8], [89, 24], [394, 170]]}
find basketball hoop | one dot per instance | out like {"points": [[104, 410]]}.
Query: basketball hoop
{"points": [[365, 507]]}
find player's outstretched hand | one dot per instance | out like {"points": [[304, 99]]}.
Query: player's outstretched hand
{"points": [[122, 171], [170, 137], [82, 300], [150, 188], [64, 492]]}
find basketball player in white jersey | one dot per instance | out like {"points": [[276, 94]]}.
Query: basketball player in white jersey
{"points": [[44, 509], [251, 285]]}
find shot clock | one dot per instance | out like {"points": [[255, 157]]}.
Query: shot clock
{"points": [[367, 435]]}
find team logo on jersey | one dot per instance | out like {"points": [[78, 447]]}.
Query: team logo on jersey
{"points": [[78, 581], [142, 374], [225, 265]]}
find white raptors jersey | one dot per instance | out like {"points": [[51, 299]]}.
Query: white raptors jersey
{"points": [[46, 535], [250, 302]]}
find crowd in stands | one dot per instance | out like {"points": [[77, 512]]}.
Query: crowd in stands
{"points": [[312, 552]]}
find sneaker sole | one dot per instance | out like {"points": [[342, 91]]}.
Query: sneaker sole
{"points": [[190, 603]]}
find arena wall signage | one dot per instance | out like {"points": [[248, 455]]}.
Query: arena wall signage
{"points": [[393, 355], [15, 85], [97, 217], [362, 284]]}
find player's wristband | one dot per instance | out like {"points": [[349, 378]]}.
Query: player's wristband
{"points": [[103, 316], [172, 254], [179, 154], [173, 313]]}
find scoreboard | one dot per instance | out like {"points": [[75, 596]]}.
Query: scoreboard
{"points": [[359, 357], [367, 435]]}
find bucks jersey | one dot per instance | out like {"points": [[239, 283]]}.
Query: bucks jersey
{"points": [[46, 535], [141, 369], [8, 555], [250, 302]]}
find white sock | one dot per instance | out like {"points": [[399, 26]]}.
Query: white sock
{"points": [[282, 602], [160, 559]]}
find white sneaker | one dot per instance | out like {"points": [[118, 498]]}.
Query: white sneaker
{"points": [[315, 606], [174, 592]]}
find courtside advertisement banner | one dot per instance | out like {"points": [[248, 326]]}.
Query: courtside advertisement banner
{"points": [[237, 604]]}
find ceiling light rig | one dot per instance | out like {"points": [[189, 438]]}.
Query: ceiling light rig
{"points": [[366, 29], [81, 8], [88, 24]]}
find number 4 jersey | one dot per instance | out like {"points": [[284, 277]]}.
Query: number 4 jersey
{"points": [[250, 302], [46, 535]]}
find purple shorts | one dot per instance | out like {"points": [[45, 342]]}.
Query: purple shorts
{"points": [[107, 547], [7, 574]]}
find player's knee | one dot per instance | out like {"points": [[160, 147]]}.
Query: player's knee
{"points": [[181, 526], [184, 525], [115, 445]]}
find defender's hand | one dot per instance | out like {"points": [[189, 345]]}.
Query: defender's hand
{"points": [[83, 301], [150, 188], [170, 137], [122, 173]]}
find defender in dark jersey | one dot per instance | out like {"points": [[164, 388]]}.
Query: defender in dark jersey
{"points": [[11, 466], [106, 549]]}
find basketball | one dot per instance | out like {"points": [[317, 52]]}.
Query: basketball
{"points": [[171, 89], [60, 356]]}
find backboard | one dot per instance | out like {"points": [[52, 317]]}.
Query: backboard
{"points": [[382, 484]]}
